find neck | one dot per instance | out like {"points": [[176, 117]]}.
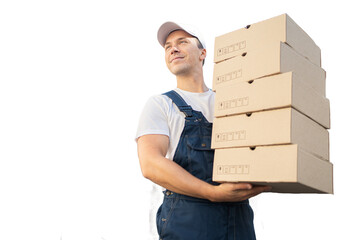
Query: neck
{"points": [[192, 83]]}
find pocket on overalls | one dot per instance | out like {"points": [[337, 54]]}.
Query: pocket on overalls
{"points": [[164, 214], [200, 157]]}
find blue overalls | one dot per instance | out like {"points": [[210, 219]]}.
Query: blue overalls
{"points": [[182, 217]]}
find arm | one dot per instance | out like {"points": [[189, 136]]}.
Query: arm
{"points": [[168, 174]]}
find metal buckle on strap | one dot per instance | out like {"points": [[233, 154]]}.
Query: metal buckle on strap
{"points": [[187, 110]]}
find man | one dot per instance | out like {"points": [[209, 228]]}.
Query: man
{"points": [[174, 137]]}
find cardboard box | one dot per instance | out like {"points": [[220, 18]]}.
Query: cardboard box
{"points": [[274, 58], [287, 168], [281, 28], [276, 91], [280, 126]]}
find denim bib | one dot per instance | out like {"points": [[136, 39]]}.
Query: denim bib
{"points": [[183, 217]]}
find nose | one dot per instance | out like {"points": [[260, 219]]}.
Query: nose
{"points": [[174, 49]]}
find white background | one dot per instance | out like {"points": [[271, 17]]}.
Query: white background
{"points": [[74, 76]]}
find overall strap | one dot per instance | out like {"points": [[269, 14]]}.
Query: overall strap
{"points": [[180, 103]]}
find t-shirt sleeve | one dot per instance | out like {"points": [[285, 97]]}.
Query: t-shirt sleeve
{"points": [[153, 119]]}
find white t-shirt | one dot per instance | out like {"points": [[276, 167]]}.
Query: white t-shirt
{"points": [[161, 116]]}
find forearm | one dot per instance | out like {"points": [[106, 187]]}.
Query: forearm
{"points": [[173, 177], [170, 175]]}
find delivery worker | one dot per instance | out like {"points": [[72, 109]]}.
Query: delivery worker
{"points": [[174, 137]]}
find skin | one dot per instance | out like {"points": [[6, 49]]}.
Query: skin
{"points": [[184, 59]]}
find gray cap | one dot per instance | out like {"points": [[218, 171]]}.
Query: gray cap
{"points": [[169, 27]]}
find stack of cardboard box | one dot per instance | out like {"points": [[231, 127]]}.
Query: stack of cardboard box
{"points": [[271, 112]]}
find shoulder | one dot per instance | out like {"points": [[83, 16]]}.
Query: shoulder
{"points": [[159, 101], [162, 104]]}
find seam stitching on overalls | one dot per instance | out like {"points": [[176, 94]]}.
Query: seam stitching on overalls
{"points": [[168, 217]]}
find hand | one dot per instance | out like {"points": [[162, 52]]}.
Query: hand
{"points": [[235, 192]]}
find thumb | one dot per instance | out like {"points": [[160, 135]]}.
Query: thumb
{"points": [[242, 186]]}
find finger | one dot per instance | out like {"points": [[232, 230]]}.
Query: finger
{"points": [[257, 190], [242, 186]]}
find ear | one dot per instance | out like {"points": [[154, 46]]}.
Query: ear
{"points": [[203, 54]]}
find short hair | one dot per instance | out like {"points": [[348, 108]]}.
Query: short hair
{"points": [[200, 46]]}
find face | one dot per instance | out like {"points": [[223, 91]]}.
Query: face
{"points": [[182, 54]]}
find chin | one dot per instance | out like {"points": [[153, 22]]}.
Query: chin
{"points": [[179, 70]]}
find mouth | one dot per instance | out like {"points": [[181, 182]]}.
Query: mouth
{"points": [[176, 58]]}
